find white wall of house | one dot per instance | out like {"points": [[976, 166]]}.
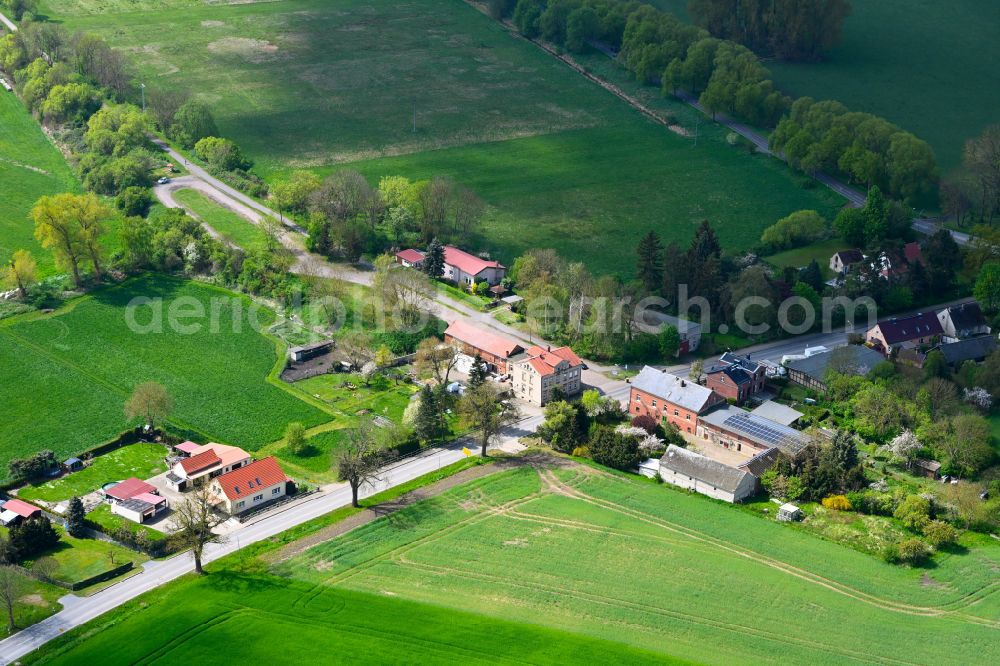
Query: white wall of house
{"points": [[744, 490], [247, 502]]}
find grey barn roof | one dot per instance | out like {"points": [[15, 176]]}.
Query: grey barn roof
{"points": [[761, 462], [860, 359], [756, 429], [681, 392], [775, 411], [972, 349], [703, 469]]}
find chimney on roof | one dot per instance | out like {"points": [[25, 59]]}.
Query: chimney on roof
{"points": [[683, 383]]}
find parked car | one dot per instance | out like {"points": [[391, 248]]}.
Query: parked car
{"points": [[163, 180]]}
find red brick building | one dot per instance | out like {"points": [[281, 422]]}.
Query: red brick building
{"points": [[495, 350], [736, 378], [670, 399]]}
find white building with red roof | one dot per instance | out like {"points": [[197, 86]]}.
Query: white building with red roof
{"points": [[250, 487], [495, 350], [410, 258], [540, 370], [466, 269], [128, 489], [206, 462]]}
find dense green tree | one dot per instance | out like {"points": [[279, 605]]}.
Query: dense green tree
{"points": [[987, 289], [429, 425], [614, 449], [477, 373], [812, 275], [649, 270], [800, 228], [75, 518], [565, 426], [33, 536], [943, 258], [582, 25], [669, 340], [192, 122], [935, 365], [433, 263]]}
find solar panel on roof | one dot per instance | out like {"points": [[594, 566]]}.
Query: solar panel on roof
{"points": [[774, 436]]}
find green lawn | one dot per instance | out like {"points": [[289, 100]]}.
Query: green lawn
{"points": [[30, 167], [80, 559], [801, 256], [220, 373], [141, 460], [562, 163], [233, 227], [381, 398], [109, 521], [35, 602], [696, 574]]}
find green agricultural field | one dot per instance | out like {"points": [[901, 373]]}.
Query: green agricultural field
{"points": [[233, 227], [257, 617], [89, 360], [523, 556], [522, 545], [30, 167], [141, 460], [562, 163], [928, 66]]}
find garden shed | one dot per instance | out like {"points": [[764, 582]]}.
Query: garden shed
{"points": [[789, 512]]}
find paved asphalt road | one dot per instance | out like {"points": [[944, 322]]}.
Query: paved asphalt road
{"points": [[926, 226], [78, 610]]}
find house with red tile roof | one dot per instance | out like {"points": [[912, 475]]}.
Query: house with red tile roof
{"points": [[495, 350], [205, 462], [539, 371], [410, 258], [250, 487], [465, 269]]}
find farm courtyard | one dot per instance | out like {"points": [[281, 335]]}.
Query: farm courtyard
{"points": [[527, 552], [306, 84]]}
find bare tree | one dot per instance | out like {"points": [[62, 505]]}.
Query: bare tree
{"points": [[360, 460], [435, 201], [405, 291], [343, 196], [436, 358], [11, 587], [150, 402], [45, 568], [357, 348], [195, 520], [468, 209], [272, 229], [486, 414]]}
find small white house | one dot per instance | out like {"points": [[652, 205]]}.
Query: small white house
{"points": [[687, 469], [249, 487]]}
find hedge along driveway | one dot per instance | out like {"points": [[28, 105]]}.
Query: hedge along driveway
{"points": [[222, 379]]}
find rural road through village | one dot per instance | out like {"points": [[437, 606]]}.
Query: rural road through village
{"points": [[78, 610]]}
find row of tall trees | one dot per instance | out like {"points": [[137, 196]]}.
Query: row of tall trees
{"points": [[721, 67], [786, 29], [347, 215], [827, 136]]}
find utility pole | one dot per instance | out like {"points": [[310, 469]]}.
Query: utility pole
{"points": [[697, 129], [142, 89]]}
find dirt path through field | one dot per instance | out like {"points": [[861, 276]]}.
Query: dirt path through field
{"points": [[387, 508]]}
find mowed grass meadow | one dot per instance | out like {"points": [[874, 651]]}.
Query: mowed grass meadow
{"points": [[67, 375], [561, 162], [524, 555], [30, 167]]}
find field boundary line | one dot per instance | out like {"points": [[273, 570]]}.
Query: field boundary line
{"points": [[803, 574]]}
